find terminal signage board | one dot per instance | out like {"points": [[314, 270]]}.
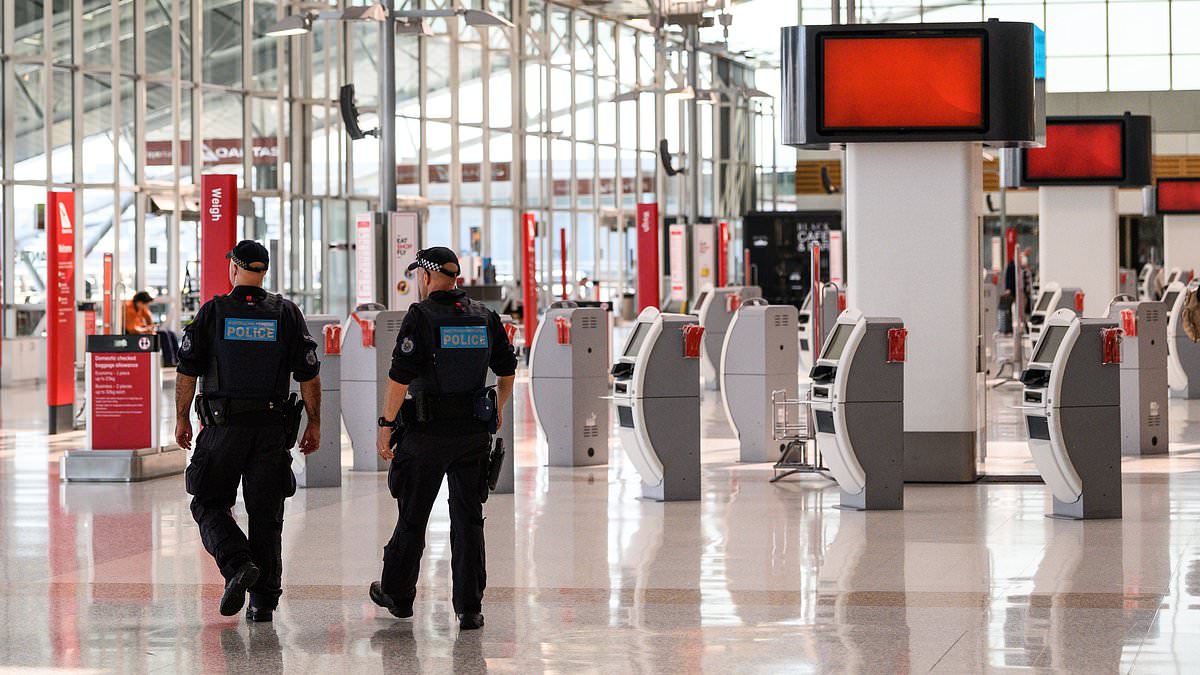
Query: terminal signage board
{"points": [[218, 232], [1178, 196], [677, 247], [364, 258], [60, 299], [647, 256], [403, 239], [123, 386], [529, 280], [1112, 150], [860, 83]]}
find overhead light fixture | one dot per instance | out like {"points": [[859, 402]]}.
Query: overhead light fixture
{"points": [[411, 26], [472, 17], [361, 13], [751, 92], [294, 24], [681, 93], [631, 95]]}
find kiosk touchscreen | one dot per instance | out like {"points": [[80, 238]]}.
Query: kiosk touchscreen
{"points": [[1051, 299], [1183, 355], [568, 371], [656, 385], [760, 356], [368, 337], [858, 406], [1072, 407], [715, 307]]}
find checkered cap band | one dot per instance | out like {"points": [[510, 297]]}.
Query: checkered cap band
{"points": [[245, 266]]}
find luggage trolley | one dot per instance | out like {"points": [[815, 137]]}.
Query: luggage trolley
{"points": [[791, 425]]}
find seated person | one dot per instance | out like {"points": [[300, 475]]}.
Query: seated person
{"points": [[139, 321]]}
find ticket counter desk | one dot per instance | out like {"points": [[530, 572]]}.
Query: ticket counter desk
{"points": [[858, 408], [657, 393], [1072, 408], [568, 372]]}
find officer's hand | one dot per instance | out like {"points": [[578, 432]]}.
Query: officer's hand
{"points": [[310, 442], [183, 432], [383, 443], [499, 418]]}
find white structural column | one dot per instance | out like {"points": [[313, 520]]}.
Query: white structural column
{"points": [[1181, 242], [1077, 242], [912, 241]]}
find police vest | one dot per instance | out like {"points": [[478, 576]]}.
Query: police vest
{"points": [[248, 358], [460, 346]]}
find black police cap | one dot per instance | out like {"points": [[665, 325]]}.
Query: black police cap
{"points": [[249, 252], [437, 259]]}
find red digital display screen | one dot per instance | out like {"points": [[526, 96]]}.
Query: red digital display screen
{"points": [[895, 83], [1179, 196], [1079, 151]]}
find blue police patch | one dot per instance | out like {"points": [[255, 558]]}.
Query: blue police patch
{"points": [[464, 337], [251, 330]]}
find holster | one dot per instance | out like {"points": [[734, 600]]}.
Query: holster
{"points": [[293, 410], [493, 462], [421, 408]]}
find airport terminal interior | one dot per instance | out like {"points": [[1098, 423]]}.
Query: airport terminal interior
{"points": [[852, 336]]}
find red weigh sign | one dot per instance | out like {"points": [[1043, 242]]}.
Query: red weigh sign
{"points": [[120, 402], [218, 232], [647, 256], [60, 299]]}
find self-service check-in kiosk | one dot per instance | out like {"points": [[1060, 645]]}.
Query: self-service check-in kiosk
{"points": [[858, 407], [1150, 282], [1050, 299], [831, 302], [324, 467], [657, 391], [1183, 355], [368, 338], [568, 376], [1144, 415], [506, 483], [1072, 405], [715, 307], [989, 297], [1127, 282], [760, 356]]}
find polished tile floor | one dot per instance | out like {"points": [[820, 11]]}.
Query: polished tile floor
{"points": [[585, 577]]}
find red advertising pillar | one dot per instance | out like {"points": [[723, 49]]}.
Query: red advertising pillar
{"points": [[106, 294], [562, 245], [60, 309], [529, 285], [218, 232], [648, 281], [723, 254]]}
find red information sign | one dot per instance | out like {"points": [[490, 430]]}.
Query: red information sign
{"points": [[120, 398], [1079, 151], [888, 83], [1179, 195], [723, 254], [218, 232], [60, 300], [529, 285], [647, 256]]}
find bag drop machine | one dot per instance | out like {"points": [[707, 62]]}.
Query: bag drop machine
{"points": [[760, 356]]}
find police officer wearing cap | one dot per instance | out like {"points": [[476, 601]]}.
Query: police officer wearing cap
{"points": [[243, 347], [446, 344]]}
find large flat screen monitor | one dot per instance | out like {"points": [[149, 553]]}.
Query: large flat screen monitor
{"points": [[1078, 151], [837, 342], [894, 83], [1178, 196], [1049, 344], [635, 342]]}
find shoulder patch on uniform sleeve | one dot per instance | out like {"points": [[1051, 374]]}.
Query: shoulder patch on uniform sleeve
{"points": [[407, 346], [310, 357], [186, 344]]}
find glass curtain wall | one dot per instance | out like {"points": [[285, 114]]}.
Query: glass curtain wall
{"points": [[127, 103]]}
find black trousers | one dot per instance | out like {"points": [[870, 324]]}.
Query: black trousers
{"points": [[416, 473], [254, 456]]}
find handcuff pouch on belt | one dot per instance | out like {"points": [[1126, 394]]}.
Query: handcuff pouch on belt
{"points": [[422, 409]]}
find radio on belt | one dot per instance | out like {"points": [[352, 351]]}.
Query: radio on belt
{"points": [[324, 468], [657, 390], [715, 308], [568, 371], [368, 337], [760, 356], [1144, 428], [858, 406], [1051, 299], [1072, 407], [1183, 355]]}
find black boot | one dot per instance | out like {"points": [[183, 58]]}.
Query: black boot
{"points": [[470, 621], [256, 615], [235, 589], [396, 609]]}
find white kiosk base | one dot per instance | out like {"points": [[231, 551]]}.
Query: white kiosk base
{"points": [[122, 466]]}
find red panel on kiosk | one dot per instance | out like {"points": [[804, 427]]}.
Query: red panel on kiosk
{"points": [[60, 299], [1179, 196], [529, 281], [647, 256], [891, 83], [1079, 151], [218, 232]]}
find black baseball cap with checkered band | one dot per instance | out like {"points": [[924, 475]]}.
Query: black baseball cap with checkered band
{"points": [[437, 259], [250, 255]]}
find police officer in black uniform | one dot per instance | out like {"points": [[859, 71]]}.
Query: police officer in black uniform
{"points": [[445, 346], [243, 346]]}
